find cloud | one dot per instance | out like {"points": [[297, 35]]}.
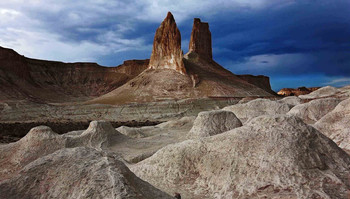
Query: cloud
{"points": [[271, 37], [342, 81]]}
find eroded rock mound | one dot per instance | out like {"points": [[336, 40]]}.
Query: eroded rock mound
{"points": [[200, 41], [77, 173], [99, 135], [323, 92], [167, 53], [210, 123], [39, 142], [271, 156], [314, 110], [258, 107], [336, 125]]}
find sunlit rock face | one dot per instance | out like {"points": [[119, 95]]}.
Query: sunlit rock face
{"points": [[167, 53], [200, 42]]}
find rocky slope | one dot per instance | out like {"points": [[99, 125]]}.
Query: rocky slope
{"points": [[23, 78]]}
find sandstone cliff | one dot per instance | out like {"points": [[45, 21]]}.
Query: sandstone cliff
{"points": [[50, 81]]}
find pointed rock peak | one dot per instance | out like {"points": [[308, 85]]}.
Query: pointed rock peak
{"points": [[170, 17], [167, 53], [200, 42]]}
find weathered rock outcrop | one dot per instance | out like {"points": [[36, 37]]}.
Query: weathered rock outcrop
{"points": [[38, 80], [211, 123], [200, 42], [269, 157], [313, 111], [258, 107], [336, 125], [77, 173], [167, 53]]}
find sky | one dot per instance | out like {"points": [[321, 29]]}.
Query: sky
{"points": [[294, 42]]}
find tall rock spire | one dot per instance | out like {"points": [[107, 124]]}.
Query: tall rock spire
{"points": [[200, 42], [167, 53]]}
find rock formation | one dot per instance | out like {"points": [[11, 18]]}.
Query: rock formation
{"points": [[209, 123], [327, 91], [271, 156], [200, 42], [312, 111], [204, 77], [258, 107], [296, 92], [167, 53], [77, 173]]}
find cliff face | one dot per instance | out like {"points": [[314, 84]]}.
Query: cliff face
{"points": [[260, 81], [49, 81], [167, 53], [200, 42]]}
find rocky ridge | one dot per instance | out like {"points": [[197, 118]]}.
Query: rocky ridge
{"points": [[42, 81]]}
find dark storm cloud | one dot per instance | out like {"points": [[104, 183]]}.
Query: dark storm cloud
{"points": [[279, 38]]}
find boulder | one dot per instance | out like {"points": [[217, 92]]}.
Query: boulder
{"points": [[314, 110], [336, 125], [210, 123], [272, 156], [291, 100], [258, 107]]}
